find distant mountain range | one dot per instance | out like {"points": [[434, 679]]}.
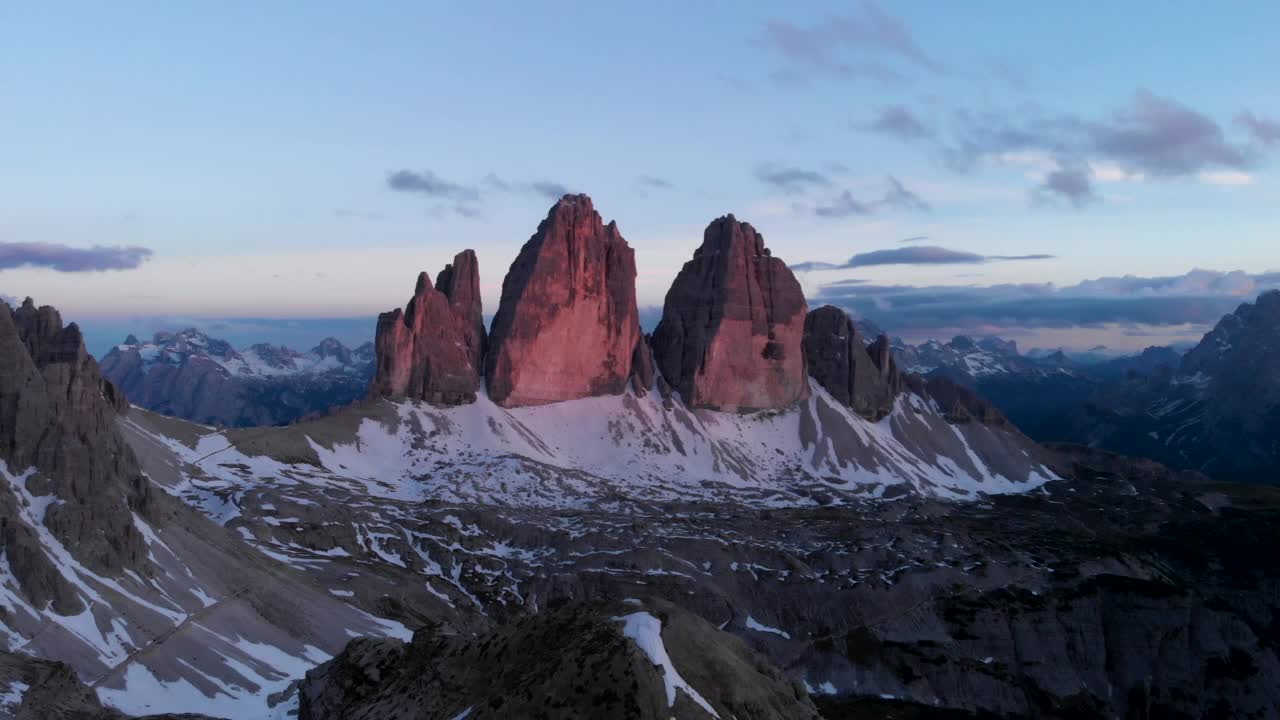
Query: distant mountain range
{"points": [[1214, 408], [193, 376]]}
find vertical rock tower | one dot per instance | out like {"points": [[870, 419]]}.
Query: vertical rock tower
{"points": [[732, 326], [432, 350], [567, 325], [838, 360]]}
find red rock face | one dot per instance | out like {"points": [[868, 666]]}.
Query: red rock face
{"points": [[567, 325], [432, 349], [733, 324]]}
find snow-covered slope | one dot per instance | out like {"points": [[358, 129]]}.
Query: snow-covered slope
{"points": [[624, 448], [201, 622]]}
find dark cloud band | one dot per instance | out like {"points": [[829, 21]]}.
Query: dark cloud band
{"points": [[64, 258], [914, 255]]}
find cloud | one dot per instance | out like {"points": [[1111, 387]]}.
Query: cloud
{"points": [[846, 46], [1152, 136], [1264, 130], [432, 185], [899, 122], [456, 198], [549, 189], [791, 180], [543, 188], [914, 255], [896, 197], [465, 200], [1225, 177], [64, 258], [900, 197], [1072, 184], [843, 205], [914, 239], [1199, 297], [652, 182], [1165, 138], [10, 300]]}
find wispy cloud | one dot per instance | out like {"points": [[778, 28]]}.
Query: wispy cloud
{"points": [[1152, 136], [432, 185], [64, 258], [843, 205], [900, 122], [846, 204], [898, 196], [791, 180], [549, 189], [1264, 130], [448, 196], [914, 255], [466, 199], [1072, 184], [653, 182], [846, 46]]}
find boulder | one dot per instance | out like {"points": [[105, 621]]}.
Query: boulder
{"points": [[732, 328], [567, 326]]}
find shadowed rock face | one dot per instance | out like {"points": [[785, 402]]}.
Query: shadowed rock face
{"points": [[731, 332], [573, 660], [567, 326], [432, 349], [838, 359], [57, 416]]}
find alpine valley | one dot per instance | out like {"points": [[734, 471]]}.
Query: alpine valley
{"points": [[757, 510]]}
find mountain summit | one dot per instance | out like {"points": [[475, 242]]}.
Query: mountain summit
{"points": [[567, 326], [732, 325]]}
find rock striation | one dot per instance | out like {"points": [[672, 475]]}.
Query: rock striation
{"points": [[732, 328], [567, 326], [838, 360], [432, 349]]}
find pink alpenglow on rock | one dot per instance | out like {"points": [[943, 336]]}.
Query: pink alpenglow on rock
{"points": [[432, 349], [567, 325], [732, 328]]}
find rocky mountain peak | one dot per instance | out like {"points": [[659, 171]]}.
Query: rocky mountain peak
{"points": [[431, 350], [732, 328], [57, 430], [838, 360], [1247, 340], [567, 326], [332, 347]]}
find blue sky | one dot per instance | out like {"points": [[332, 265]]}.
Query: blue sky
{"points": [[250, 148]]}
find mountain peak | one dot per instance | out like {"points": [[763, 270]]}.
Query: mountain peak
{"points": [[567, 325], [431, 350], [732, 328]]}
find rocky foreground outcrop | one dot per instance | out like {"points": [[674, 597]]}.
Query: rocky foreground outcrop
{"points": [[432, 349], [634, 659], [57, 426], [567, 326], [732, 325]]}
